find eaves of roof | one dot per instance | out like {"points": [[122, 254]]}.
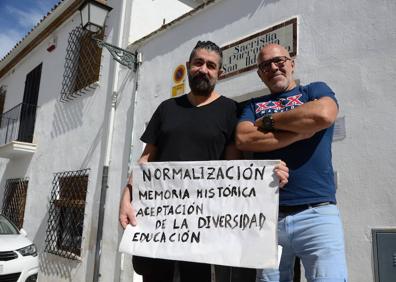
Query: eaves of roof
{"points": [[60, 13]]}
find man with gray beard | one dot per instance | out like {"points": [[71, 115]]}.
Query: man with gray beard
{"points": [[295, 123]]}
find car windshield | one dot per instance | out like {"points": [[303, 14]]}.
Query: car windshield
{"points": [[7, 227]]}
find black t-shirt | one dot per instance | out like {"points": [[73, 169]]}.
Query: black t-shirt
{"points": [[183, 132]]}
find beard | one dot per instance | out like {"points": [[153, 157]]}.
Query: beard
{"points": [[200, 84]]}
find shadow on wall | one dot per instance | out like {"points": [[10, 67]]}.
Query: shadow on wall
{"points": [[3, 169], [67, 116], [39, 238], [52, 265], [56, 266], [15, 168], [94, 146]]}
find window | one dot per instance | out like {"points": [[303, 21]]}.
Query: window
{"points": [[3, 91], [66, 214], [82, 63], [14, 200], [29, 105], [17, 124]]}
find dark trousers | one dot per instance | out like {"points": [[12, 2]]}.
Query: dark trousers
{"points": [[234, 274], [161, 270]]}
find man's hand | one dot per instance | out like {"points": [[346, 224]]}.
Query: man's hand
{"points": [[259, 122], [127, 214], [282, 171]]}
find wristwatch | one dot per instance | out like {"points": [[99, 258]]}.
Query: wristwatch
{"points": [[267, 123]]}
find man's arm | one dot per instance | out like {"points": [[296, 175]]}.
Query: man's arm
{"points": [[149, 154], [126, 211], [232, 153], [308, 118], [291, 126], [250, 138]]}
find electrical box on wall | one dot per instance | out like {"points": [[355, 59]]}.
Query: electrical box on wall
{"points": [[52, 43], [384, 254], [339, 129]]}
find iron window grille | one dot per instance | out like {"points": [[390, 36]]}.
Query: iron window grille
{"points": [[82, 63], [66, 214], [14, 200]]}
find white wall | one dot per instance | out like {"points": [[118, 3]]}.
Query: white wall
{"points": [[69, 137], [350, 45], [73, 135], [148, 16]]}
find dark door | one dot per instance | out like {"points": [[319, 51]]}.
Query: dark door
{"points": [[29, 105]]}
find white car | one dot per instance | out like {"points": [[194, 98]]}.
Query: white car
{"points": [[18, 255]]}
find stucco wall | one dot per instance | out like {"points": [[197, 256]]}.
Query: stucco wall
{"points": [[73, 135], [348, 44], [68, 137], [148, 16]]}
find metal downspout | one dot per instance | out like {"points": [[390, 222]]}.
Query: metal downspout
{"points": [[109, 141]]}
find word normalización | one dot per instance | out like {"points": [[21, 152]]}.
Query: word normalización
{"points": [[205, 173]]}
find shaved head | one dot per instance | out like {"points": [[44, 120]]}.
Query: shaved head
{"points": [[270, 48], [276, 68]]}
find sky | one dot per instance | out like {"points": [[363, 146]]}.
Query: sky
{"points": [[17, 18]]}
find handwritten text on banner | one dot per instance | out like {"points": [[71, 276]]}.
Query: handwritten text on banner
{"points": [[219, 212]]}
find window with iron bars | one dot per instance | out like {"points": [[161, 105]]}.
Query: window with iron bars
{"points": [[82, 63], [14, 200], [66, 214]]}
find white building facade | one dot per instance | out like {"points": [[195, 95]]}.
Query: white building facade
{"points": [[349, 45], [87, 137]]}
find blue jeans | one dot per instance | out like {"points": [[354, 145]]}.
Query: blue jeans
{"points": [[314, 235]]}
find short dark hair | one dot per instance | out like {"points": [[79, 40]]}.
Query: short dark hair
{"points": [[210, 46]]}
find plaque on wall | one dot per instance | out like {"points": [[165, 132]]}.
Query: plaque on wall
{"points": [[241, 56]]}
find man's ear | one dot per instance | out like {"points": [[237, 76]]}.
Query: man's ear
{"points": [[220, 72]]}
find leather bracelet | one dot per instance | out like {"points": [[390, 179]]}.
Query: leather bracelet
{"points": [[130, 190]]}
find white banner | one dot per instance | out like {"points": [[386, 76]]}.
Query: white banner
{"points": [[218, 212]]}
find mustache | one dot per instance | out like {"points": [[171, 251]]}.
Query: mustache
{"points": [[200, 76], [200, 84]]}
